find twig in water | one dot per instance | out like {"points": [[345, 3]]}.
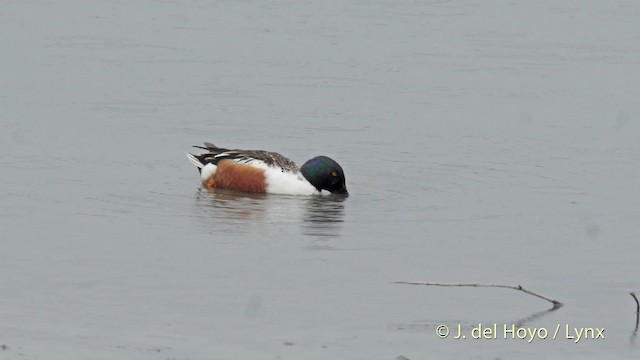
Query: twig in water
{"points": [[634, 333], [633, 294], [556, 304]]}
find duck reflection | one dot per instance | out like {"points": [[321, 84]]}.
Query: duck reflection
{"points": [[321, 216], [228, 204], [324, 216]]}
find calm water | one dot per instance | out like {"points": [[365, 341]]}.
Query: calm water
{"points": [[481, 143]]}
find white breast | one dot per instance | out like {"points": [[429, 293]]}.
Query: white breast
{"points": [[279, 182]]}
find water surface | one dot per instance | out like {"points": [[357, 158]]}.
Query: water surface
{"points": [[492, 143]]}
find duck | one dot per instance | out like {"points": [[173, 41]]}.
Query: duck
{"points": [[260, 171]]}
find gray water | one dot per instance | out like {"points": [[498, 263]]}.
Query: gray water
{"points": [[482, 143]]}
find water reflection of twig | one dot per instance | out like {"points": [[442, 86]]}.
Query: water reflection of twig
{"points": [[429, 326], [535, 316], [634, 333]]}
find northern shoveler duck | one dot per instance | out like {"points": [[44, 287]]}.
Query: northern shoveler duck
{"points": [[266, 172]]}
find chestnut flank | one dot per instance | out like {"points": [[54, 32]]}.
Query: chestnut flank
{"points": [[234, 176]]}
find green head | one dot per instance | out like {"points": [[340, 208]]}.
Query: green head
{"points": [[325, 174]]}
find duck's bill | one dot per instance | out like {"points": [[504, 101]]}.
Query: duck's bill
{"points": [[341, 191]]}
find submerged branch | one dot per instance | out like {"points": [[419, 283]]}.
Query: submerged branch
{"points": [[556, 304], [633, 294], [634, 333]]}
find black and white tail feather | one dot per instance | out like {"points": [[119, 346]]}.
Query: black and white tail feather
{"points": [[259, 158]]}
